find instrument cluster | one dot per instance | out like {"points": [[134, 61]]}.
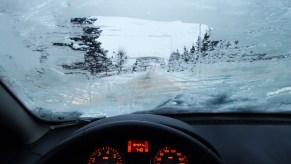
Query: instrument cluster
{"points": [[137, 151]]}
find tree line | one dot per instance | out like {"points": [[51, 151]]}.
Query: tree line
{"points": [[96, 61]]}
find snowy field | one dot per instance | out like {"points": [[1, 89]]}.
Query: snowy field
{"points": [[140, 37]]}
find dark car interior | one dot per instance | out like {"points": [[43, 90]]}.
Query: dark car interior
{"points": [[241, 138]]}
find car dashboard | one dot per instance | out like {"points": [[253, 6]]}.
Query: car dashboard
{"points": [[137, 138], [156, 139]]}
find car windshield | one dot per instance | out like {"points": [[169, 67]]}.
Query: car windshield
{"points": [[69, 59]]}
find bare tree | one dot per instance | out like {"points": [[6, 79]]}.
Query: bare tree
{"points": [[120, 60]]}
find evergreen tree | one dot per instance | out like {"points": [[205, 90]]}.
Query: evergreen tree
{"points": [[205, 43], [192, 50], [95, 57], [186, 55], [174, 61]]}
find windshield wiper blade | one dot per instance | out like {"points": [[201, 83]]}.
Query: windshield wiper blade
{"points": [[85, 119], [90, 117]]}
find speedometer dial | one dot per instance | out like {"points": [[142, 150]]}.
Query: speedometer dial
{"points": [[105, 155], [168, 155]]}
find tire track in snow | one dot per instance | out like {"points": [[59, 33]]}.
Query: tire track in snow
{"points": [[145, 91]]}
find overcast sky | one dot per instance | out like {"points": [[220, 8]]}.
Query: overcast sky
{"points": [[194, 11]]}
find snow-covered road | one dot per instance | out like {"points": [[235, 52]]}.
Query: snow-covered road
{"points": [[144, 91]]}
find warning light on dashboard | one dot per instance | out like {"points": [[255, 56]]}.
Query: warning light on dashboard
{"points": [[137, 146]]}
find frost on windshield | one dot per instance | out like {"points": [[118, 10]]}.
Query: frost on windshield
{"points": [[228, 56]]}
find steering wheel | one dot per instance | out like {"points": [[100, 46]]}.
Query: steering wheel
{"points": [[163, 133]]}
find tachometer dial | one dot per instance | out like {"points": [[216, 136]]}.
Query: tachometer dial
{"points": [[105, 155], [168, 155]]}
